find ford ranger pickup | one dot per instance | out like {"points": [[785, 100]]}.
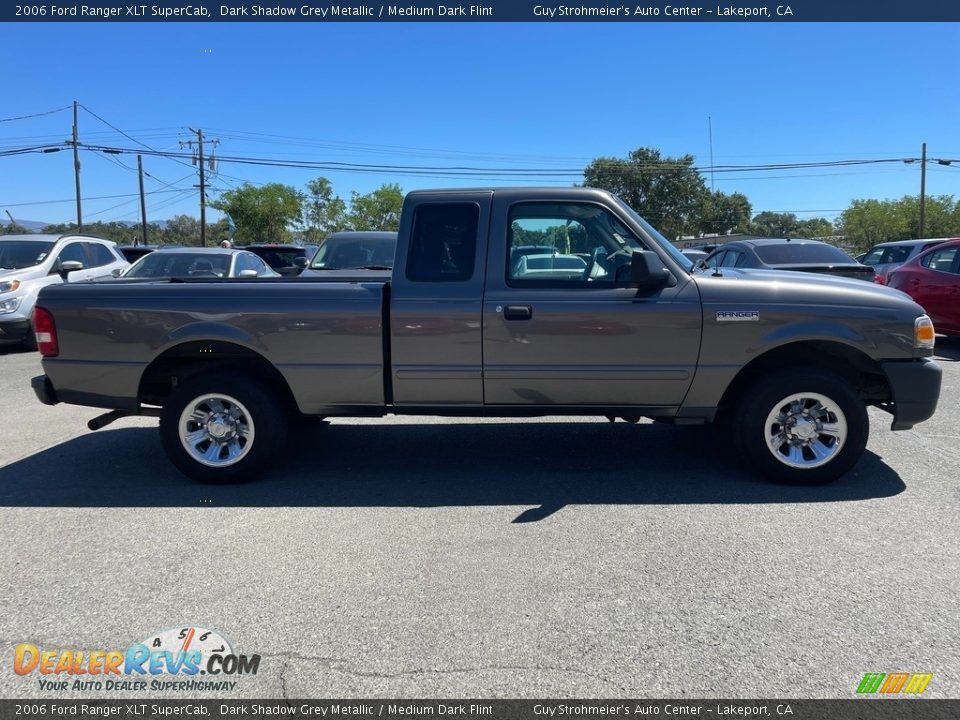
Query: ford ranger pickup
{"points": [[501, 302]]}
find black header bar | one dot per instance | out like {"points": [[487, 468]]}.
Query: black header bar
{"points": [[687, 709], [736, 11]]}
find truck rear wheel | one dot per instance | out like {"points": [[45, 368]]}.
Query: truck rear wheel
{"points": [[801, 427], [221, 427]]}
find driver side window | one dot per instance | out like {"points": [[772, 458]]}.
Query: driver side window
{"points": [[567, 243], [73, 253]]}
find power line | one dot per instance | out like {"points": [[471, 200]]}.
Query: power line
{"points": [[33, 115], [93, 197], [438, 170], [126, 135]]}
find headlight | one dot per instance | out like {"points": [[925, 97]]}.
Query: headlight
{"points": [[9, 285], [923, 332], [9, 306]]}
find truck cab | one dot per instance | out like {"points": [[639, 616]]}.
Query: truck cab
{"points": [[472, 322]]}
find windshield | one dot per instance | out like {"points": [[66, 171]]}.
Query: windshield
{"points": [[680, 258], [798, 253], [19, 254], [351, 252], [279, 258], [180, 265]]}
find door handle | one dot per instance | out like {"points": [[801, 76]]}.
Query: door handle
{"points": [[517, 312]]}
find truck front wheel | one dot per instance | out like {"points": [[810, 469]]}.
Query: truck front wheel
{"points": [[221, 427], [801, 427]]}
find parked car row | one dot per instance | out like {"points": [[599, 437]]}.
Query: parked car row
{"points": [[886, 257], [30, 262], [928, 270]]}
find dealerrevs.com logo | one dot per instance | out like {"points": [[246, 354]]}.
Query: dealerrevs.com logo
{"points": [[170, 660]]}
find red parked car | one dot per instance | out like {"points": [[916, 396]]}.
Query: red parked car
{"points": [[933, 280]]}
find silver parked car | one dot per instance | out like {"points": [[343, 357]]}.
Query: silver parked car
{"points": [[187, 262], [886, 257], [31, 262]]}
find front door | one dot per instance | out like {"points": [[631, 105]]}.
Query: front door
{"points": [[561, 324]]}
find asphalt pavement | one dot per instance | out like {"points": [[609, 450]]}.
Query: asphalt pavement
{"points": [[432, 557]]}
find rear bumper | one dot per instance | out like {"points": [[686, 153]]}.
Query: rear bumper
{"points": [[915, 386], [14, 330], [43, 389]]}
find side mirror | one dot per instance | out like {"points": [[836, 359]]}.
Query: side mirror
{"points": [[247, 274], [116, 272], [68, 267], [300, 262], [647, 270]]}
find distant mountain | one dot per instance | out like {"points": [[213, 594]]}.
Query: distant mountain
{"points": [[33, 225]]}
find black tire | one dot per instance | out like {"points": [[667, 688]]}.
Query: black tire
{"points": [[750, 432], [261, 410]]}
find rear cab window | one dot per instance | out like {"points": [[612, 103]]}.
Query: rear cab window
{"points": [[443, 243]]}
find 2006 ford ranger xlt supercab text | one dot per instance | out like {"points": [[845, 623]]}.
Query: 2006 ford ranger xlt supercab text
{"points": [[502, 302]]}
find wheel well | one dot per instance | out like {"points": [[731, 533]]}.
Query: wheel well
{"points": [[186, 360], [854, 366]]}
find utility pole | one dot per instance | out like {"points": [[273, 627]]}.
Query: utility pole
{"points": [[923, 188], [203, 193], [203, 180], [710, 129], [76, 167], [143, 200]]}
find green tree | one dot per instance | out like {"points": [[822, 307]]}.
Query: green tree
{"points": [[180, 230], [774, 224], [867, 222], [120, 233], [668, 192], [323, 212], [377, 210], [722, 213], [815, 228], [14, 228], [261, 214]]}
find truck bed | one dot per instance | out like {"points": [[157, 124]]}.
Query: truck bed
{"points": [[109, 332]]}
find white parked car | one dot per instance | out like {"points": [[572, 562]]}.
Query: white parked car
{"points": [[31, 262], [192, 262]]}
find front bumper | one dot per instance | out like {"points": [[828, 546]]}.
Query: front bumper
{"points": [[43, 389], [14, 330], [915, 389]]}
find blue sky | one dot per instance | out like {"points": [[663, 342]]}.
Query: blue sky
{"points": [[529, 95]]}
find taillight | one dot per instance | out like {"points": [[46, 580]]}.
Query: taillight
{"points": [[46, 331], [878, 279]]}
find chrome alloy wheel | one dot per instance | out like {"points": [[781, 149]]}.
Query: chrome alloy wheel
{"points": [[216, 430], [805, 430]]}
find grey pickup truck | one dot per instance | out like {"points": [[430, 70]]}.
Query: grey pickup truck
{"points": [[501, 302]]}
